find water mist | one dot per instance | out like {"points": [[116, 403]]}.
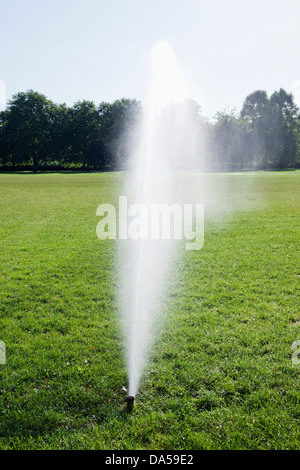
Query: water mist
{"points": [[167, 140], [144, 263]]}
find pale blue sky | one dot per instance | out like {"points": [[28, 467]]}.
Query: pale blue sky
{"points": [[99, 50]]}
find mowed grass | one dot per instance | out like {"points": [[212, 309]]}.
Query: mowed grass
{"points": [[221, 375]]}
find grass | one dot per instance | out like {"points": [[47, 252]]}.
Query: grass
{"points": [[221, 375]]}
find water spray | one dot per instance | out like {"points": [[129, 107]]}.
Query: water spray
{"points": [[144, 263]]}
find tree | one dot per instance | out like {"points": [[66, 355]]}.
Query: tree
{"points": [[273, 128], [284, 129], [27, 128], [4, 151], [118, 128], [85, 125], [60, 141], [230, 141], [256, 113]]}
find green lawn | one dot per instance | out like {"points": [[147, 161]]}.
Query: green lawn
{"points": [[221, 375]]}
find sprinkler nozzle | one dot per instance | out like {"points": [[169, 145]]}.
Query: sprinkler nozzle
{"points": [[130, 402]]}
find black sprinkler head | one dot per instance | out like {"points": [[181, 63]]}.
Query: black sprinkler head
{"points": [[130, 402]]}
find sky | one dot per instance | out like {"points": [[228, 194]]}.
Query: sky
{"points": [[99, 50]]}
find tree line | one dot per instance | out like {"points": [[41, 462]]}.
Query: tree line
{"points": [[37, 134]]}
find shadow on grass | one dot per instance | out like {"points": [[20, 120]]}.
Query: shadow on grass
{"points": [[38, 418]]}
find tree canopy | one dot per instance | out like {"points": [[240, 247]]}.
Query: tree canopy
{"points": [[39, 134]]}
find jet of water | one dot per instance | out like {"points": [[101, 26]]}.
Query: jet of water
{"points": [[166, 137], [145, 263]]}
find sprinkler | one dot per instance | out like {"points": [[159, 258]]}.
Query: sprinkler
{"points": [[130, 402]]}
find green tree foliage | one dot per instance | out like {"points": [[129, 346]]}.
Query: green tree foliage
{"points": [[230, 137], [118, 128], [37, 133], [256, 114], [284, 126], [60, 148], [5, 156], [84, 124], [273, 124], [27, 128]]}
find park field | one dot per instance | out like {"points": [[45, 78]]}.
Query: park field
{"points": [[223, 374]]}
